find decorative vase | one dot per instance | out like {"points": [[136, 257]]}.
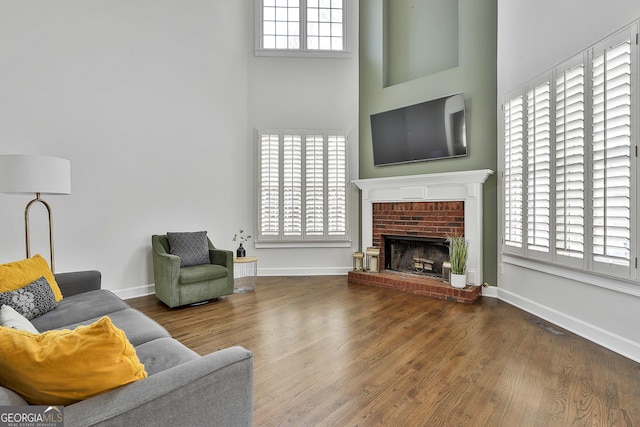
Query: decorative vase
{"points": [[459, 280], [240, 252]]}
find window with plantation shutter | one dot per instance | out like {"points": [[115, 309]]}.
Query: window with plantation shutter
{"points": [[292, 185], [611, 155], [570, 198], [269, 184], [302, 188], [570, 161], [337, 185], [314, 194], [538, 167], [513, 171]]}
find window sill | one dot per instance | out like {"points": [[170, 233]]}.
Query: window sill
{"points": [[302, 244], [611, 283], [300, 53]]}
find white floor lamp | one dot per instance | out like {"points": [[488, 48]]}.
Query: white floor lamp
{"points": [[21, 174]]}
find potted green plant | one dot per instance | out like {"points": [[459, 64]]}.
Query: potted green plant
{"points": [[240, 252], [458, 254]]}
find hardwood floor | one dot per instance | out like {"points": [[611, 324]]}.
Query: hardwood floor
{"points": [[332, 354]]}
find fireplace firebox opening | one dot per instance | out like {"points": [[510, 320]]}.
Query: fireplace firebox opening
{"points": [[415, 254]]}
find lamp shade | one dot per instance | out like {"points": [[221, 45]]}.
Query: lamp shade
{"points": [[34, 174]]}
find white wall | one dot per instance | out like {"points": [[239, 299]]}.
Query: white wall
{"points": [[154, 104], [533, 36]]}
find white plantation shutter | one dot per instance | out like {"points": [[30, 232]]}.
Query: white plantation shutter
{"points": [[337, 185], [292, 185], [538, 167], [314, 192], [573, 198], [611, 154], [513, 171], [269, 186], [570, 162], [303, 186]]}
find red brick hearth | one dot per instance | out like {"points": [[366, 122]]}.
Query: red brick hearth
{"points": [[415, 284]]}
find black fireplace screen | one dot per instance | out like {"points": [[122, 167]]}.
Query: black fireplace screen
{"points": [[413, 254]]}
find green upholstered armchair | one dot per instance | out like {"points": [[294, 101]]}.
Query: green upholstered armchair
{"points": [[176, 286]]}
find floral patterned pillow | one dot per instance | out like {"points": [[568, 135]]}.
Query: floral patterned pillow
{"points": [[31, 301]]}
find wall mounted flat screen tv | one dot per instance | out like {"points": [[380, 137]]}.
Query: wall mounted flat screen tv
{"points": [[429, 130]]}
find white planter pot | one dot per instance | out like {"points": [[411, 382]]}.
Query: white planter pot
{"points": [[459, 280]]}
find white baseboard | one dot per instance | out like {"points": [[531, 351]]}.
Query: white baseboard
{"points": [[590, 332], [138, 291], [490, 291]]}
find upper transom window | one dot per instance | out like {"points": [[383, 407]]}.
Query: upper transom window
{"points": [[301, 27]]}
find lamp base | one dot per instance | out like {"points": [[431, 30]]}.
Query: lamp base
{"points": [[26, 228]]}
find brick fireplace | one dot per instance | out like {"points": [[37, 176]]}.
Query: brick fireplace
{"points": [[415, 219], [428, 206]]}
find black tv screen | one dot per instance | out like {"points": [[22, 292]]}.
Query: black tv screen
{"points": [[429, 130]]}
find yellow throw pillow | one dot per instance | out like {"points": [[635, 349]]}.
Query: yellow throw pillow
{"points": [[18, 274], [61, 367]]}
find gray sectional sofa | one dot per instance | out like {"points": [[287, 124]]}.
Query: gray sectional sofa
{"points": [[182, 388]]}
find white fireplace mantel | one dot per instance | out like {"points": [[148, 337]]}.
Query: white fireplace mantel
{"points": [[463, 186]]}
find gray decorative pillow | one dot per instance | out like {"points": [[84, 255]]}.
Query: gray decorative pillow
{"points": [[191, 247], [31, 301]]}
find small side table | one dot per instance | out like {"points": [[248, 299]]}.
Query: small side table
{"points": [[245, 270]]}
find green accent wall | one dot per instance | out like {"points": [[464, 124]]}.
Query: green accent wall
{"points": [[475, 75], [420, 38]]}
